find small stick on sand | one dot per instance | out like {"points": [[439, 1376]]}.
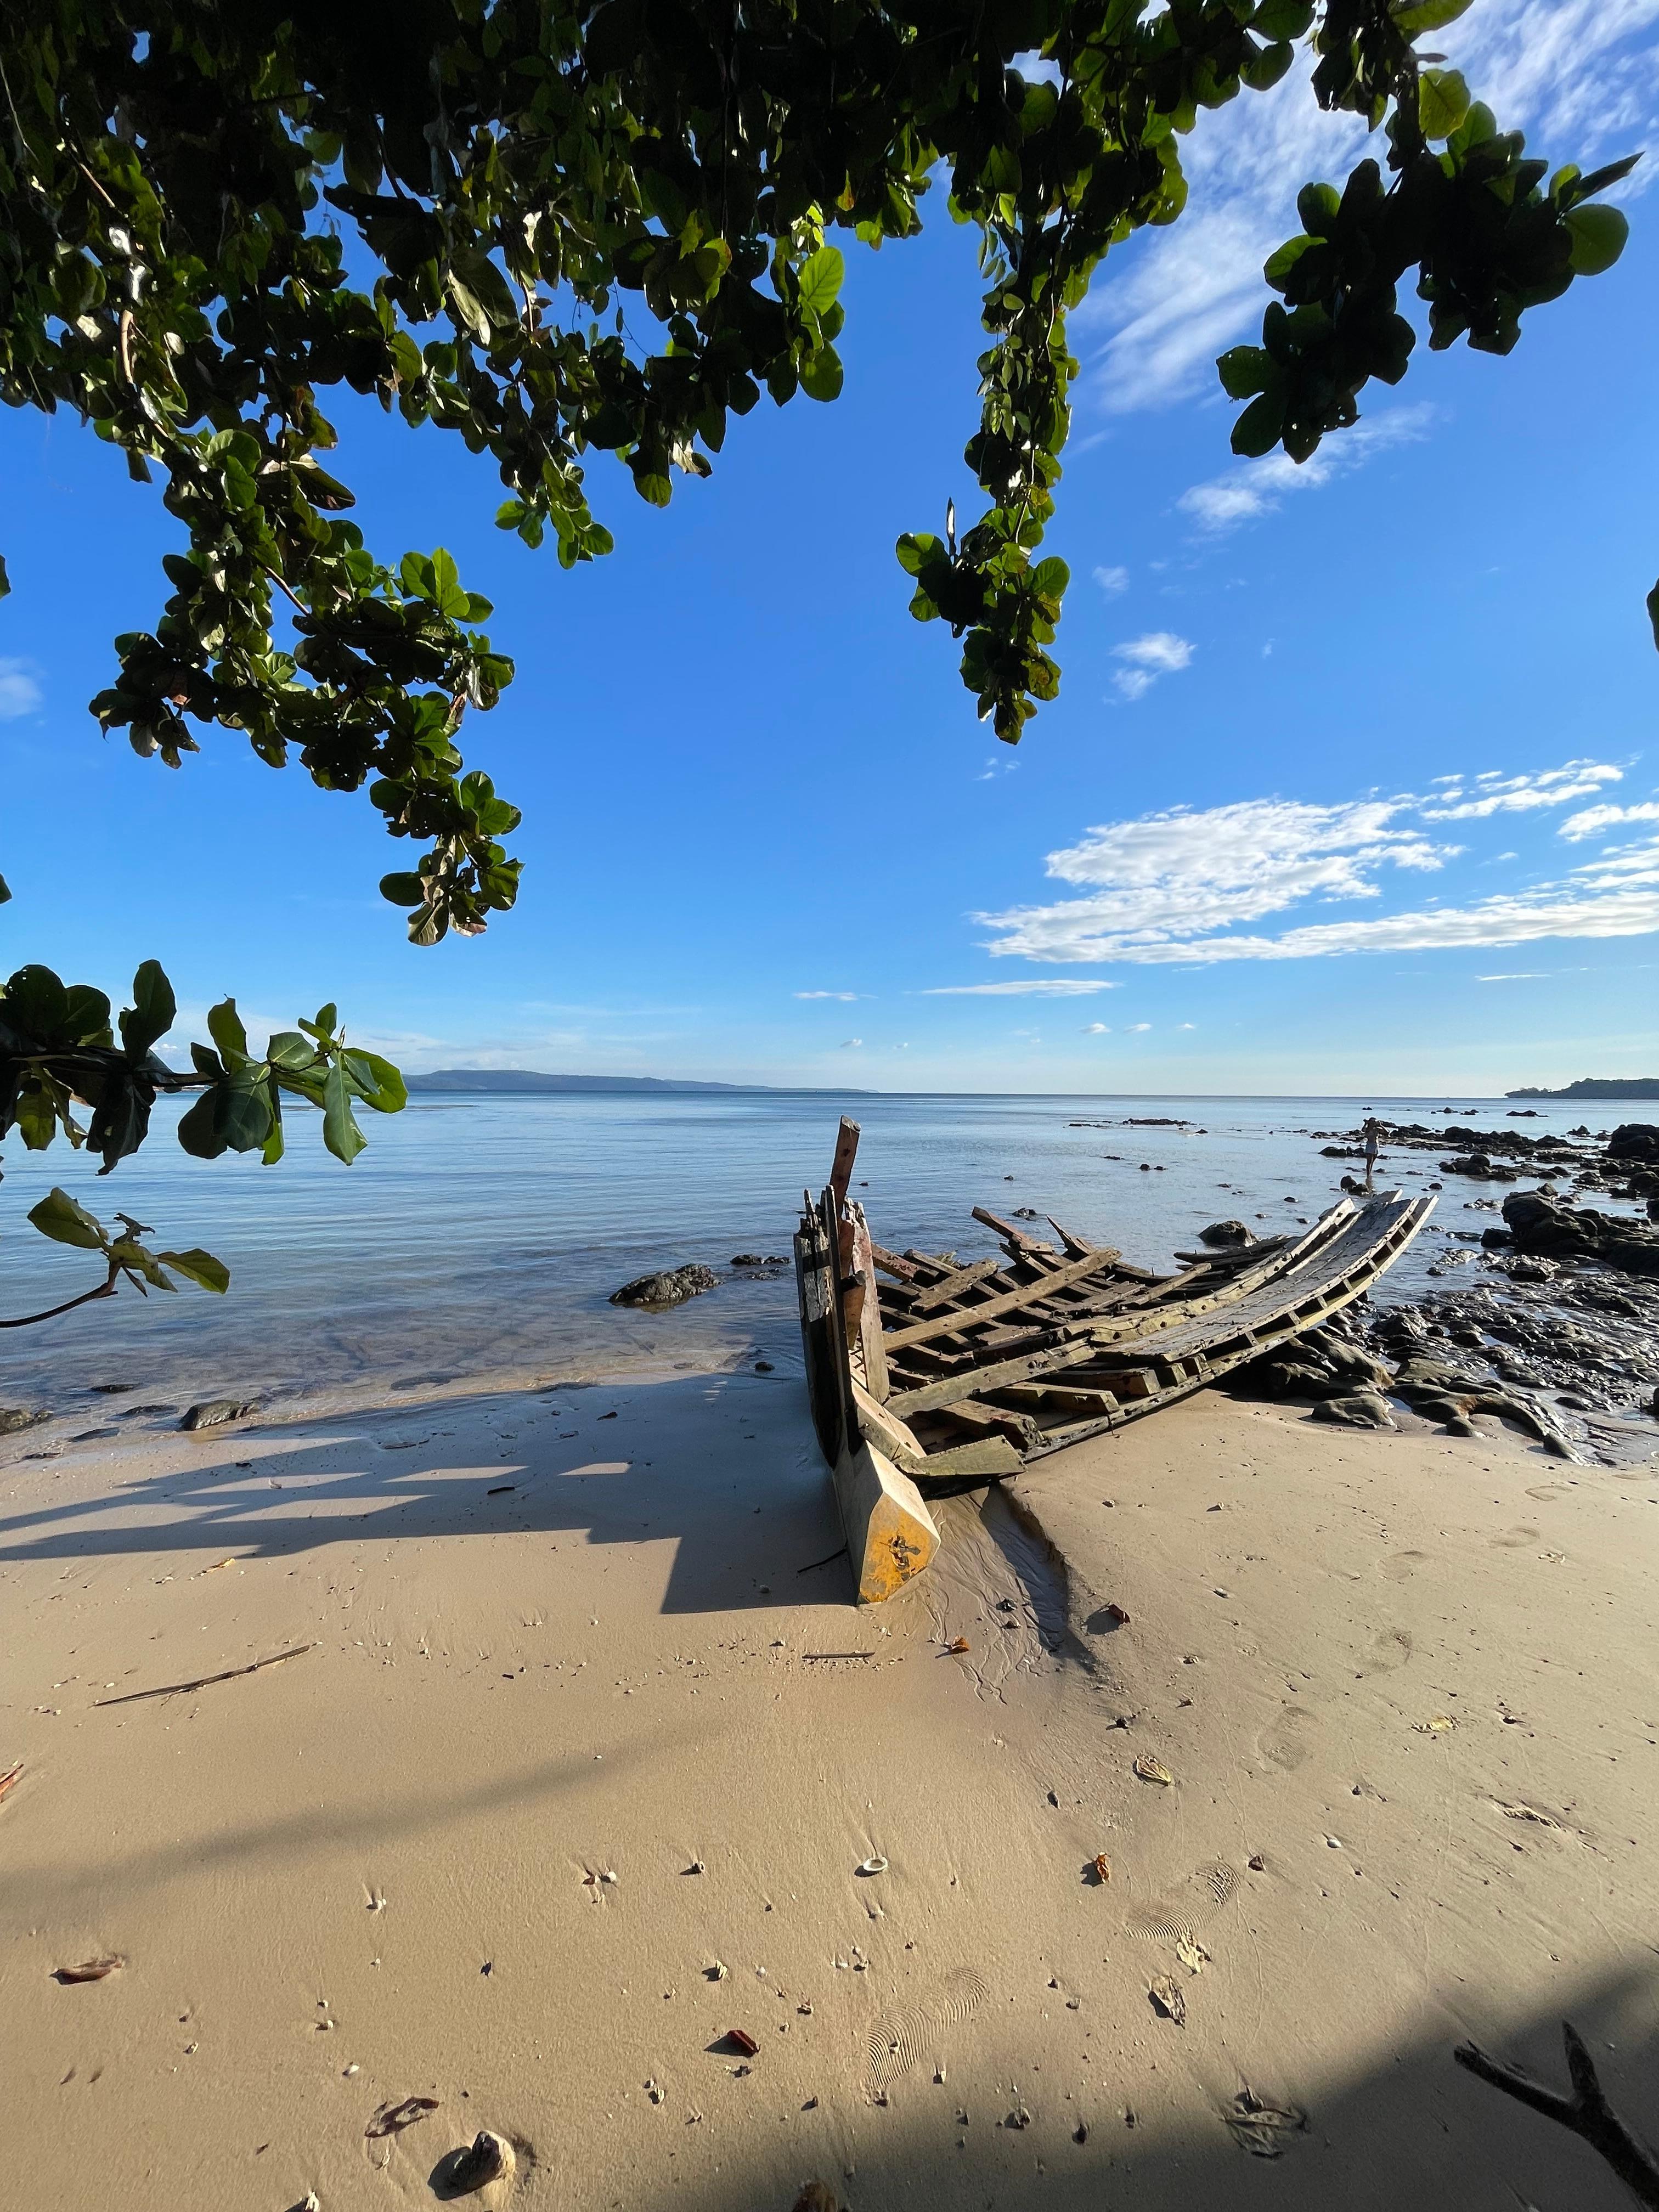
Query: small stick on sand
{"points": [[828, 1559], [837, 1654], [10, 1777], [203, 1681], [1586, 2112]]}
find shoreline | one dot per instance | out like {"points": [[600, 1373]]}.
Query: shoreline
{"points": [[562, 1641]]}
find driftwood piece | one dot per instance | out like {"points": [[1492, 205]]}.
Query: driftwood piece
{"points": [[205, 1681], [953, 1285], [1586, 2112], [895, 1265]]}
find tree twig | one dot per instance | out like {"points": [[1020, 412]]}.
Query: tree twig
{"points": [[176, 1689], [1586, 2111], [104, 1290]]}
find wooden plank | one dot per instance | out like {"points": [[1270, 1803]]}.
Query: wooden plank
{"points": [[1006, 1229], [869, 1323], [894, 1264], [987, 1456], [846, 1151], [951, 1387], [1021, 1430], [953, 1285], [886, 1431], [1075, 1246], [1074, 1271], [1060, 1397]]}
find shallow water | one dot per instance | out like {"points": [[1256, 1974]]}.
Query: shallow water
{"points": [[480, 1238]]}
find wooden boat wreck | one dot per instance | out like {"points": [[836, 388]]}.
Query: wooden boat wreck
{"points": [[927, 1376]]}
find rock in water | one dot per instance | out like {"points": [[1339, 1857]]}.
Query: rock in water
{"points": [[1225, 1233], [212, 1411], [13, 1417], [669, 1286]]}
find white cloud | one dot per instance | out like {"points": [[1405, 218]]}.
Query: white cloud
{"points": [[1258, 486], [1493, 794], [1159, 653], [19, 691], [1046, 986], [1174, 886], [851, 1044], [1097, 1029], [1579, 75], [846, 997], [1595, 819], [1112, 580], [1520, 975], [1138, 1029]]}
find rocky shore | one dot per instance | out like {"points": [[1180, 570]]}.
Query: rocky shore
{"points": [[1558, 1334]]}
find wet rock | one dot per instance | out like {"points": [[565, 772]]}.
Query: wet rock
{"points": [[212, 1411], [1226, 1234], [1361, 1409], [669, 1286], [14, 1418], [1547, 1228], [1635, 1140]]}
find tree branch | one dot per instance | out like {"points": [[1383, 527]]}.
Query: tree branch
{"points": [[1586, 2112], [104, 1290]]}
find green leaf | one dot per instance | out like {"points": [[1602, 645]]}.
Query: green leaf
{"points": [[199, 1128], [225, 1028], [57, 1216], [1653, 614], [821, 377], [37, 1003], [243, 1116], [1282, 19], [1244, 370], [403, 888], [5, 582], [380, 1084], [340, 1131], [5, 887], [153, 1011], [1442, 101], [1257, 429], [36, 1115], [1598, 238], [87, 1020], [289, 1049], [819, 278], [199, 1266]]}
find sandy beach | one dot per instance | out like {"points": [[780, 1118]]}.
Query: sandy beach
{"points": [[587, 1753]]}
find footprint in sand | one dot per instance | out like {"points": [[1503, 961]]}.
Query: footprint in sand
{"points": [[1282, 1742], [1388, 1648], [1401, 1566], [1514, 1540], [1181, 1917]]}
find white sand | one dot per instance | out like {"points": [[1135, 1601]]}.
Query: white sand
{"points": [[608, 1669]]}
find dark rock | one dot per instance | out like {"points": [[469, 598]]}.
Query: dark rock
{"points": [[1545, 1227], [669, 1286], [13, 1417], [211, 1411], [741, 1259], [1363, 1409], [1225, 1233], [1497, 1240], [1634, 1141], [89, 1436], [1460, 1425]]}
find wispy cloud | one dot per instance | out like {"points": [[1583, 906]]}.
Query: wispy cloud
{"points": [[1595, 819], [851, 1044], [846, 998], [1112, 580], [1045, 987], [20, 689], [1494, 794], [1138, 1029], [1174, 887], [1257, 488], [1520, 975], [1159, 653], [1096, 1029]]}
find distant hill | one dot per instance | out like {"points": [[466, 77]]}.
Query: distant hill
{"points": [[1598, 1086], [531, 1078]]}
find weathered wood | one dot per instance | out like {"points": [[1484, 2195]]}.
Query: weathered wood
{"points": [[1021, 1430], [895, 1264], [846, 1151], [953, 1285], [1075, 1246], [950, 1387], [1074, 1271], [815, 1284], [990, 1456], [869, 1332], [890, 1535], [1059, 1398]]}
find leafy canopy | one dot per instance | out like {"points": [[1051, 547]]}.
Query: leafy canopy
{"points": [[552, 227]]}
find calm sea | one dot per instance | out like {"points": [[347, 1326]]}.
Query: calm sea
{"points": [[478, 1237]]}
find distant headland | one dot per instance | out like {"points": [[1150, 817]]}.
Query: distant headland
{"points": [[1599, 1086]]}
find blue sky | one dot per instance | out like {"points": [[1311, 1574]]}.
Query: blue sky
{"points": [[1352, 785]]}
